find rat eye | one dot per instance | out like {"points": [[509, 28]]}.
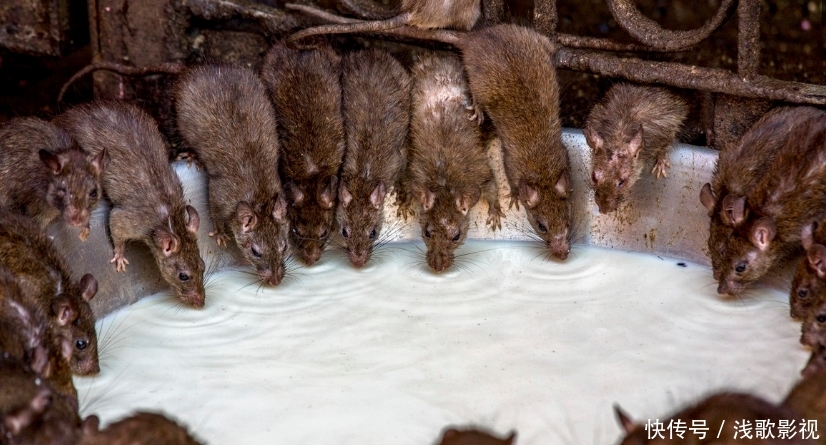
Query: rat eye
{"points": [[741, 267], [821, 318], [183, 277], [81, 344], [803, 293], [323, 234], [542, 227], [427, 231], [373, 234], [93, 193], [255, 252], [345, 233], [458, 235], [621, 182]]}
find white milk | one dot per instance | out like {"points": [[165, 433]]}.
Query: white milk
{"points": [[393, 353]]}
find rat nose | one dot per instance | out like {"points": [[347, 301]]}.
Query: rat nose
{"points": [[270, 277], [311, 254], [358, 258], [195, 299]]}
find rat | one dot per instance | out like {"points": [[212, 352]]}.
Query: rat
{"points": [[46, 175], [630, 130], [225, 115], [813, 329], [448, 170], [817, 361], [426, 14], [768, 221], [147, 197], [808, 283], [720, 415], [376, 101], [739, 167], [473, 436], [305, 90], [141, 428], [45, 277], [808, 398]]}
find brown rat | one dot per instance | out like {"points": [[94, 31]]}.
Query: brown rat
{"points": [[147, 198], [427, 14], [45, 278], [46, 174], [630, 130], [473, 436], [768, 221], [721, 414], [448, 169], [808, 398], [817, 361], [809, 282], [141, 428], [813, 329], [738, 168], [224, 114], [306, 94], [376, 100]]}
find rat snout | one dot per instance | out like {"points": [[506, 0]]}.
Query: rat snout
{"points": [[194, 299], [90, 367], [439, 263], [358, 258], [76, 217], [559, 246], [310, 255], [272, 277], [728, 288], [715, 272]]}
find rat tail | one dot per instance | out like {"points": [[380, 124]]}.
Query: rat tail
{"points": [[126, 70], [367, 10]]}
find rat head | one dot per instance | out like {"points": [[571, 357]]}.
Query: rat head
{"points": [[615, 165], [37, 419], [718, 232], [360, 216], [453, 436], [72, 312], [749, 255], [809, 280], [444, 222], [813, 330], [311, 212], [548, 208], [175, 248], [261, 234], [74, 183]]}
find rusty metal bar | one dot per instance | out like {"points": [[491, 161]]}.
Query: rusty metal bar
{"points": [[692, 77], [647, 31], [748, 37]]}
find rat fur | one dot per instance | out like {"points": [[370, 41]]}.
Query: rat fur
{"points": [[629, 131], [46, 175], [141, 428], [45, 278], [448, 170], [808, 398], [809, 282], [305, 90], [147, 198], [224, 114], [474, 436], [376, 100], [768, 221]]}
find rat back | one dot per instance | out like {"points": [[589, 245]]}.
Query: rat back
{"points": [[142, 428], [473, 436], [376, 100], [512, 77], [305, 91], [224, 114], [808, 398]]}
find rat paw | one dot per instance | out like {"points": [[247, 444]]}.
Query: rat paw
{"points": [[660, 168], [120, 262], [478, 114], [495, 215], [514, 201], [84, 233], [190, 159], [221, 239]]}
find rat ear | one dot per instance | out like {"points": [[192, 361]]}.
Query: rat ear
{"points": [[636, 143], [279, 210], [807, 235], [816, 256], [467, 200], [734, 210], [66, 348], [166, 241], [51, 161], [192, 219], [762, 233], [20, 419], [344, 195], [707, 197], [245, 216], [596, 175], [296, 195], [40, 362], [593, 138], [64, 310], [426, 197], [88, 287], [528, 194], [377, 196], [624, 419], [100, 161], [561, 187], [327, 197]]}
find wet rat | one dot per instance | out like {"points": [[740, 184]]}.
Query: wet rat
{"points": [[224, 114], [721, 414], [768, 221], [630, 130], [147, 197], [739, 167], [376, 101], [448, 170], [474, 436], [46, 175], [44, 276], [305, 90], [427, 14], [141, 428], [809, 282]]}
